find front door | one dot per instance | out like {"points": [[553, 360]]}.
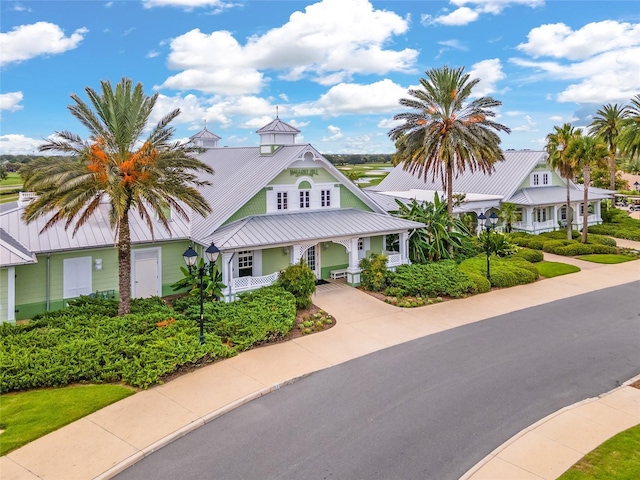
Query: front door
{"points": [[145, 273], [312, 260]]}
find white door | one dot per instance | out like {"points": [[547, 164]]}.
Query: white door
{"points": [[310, 256], [145, 273], [76, 277]]}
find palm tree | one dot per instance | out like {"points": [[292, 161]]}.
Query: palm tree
{"points": [[509, 214], [607, 124], [445, 132], [556, 147], [585, 151], [629, 140], [115, 165]]}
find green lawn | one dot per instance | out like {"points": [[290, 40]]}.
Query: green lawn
{"points": [[13, 180], [555, 269], [607, 258], [616, 459], [26, 416]]}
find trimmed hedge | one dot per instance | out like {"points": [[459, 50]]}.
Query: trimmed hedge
{"points": [[533, 256], [557, 243], [505, 272], [482, 285], [430, 280], [88, 342]]}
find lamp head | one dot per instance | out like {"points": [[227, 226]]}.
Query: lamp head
{"points": [[493, 218], [212, 253], [190, 256], [482, 218]]}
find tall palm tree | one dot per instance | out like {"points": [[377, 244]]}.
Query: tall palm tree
{"points": [[556, 147], [445, 132], [115, 165], [607, 124], [630, 135], [585, 151]]}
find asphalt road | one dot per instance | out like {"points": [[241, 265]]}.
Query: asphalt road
{"points": [[427, 409]]}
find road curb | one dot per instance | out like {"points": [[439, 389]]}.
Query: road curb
{"points": [[471, 472]]}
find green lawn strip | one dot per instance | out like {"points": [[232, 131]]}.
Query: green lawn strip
{"points": [[555, 269], [616, 459], [9, 198], [13, 180], [26, 416], [607, 258]]}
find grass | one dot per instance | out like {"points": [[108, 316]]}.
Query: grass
{"points": [[555, 269], [26, 416], [607, 258], [13, 180], [616, 459]]}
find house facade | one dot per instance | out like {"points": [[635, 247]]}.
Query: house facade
{"points": [[524, 178], [272, 205]]}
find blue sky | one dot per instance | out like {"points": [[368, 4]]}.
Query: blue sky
{"points": [[334, 68]]}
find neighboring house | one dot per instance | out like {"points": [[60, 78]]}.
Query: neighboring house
{"points": [[273, 204], [524, 178]]}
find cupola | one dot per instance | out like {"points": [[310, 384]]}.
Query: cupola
{"points": [[205, 139], [276, 134]]}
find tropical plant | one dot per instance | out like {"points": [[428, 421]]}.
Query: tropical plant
{"points": [[353, 175], [556, 148], [607, 124], [442, 234], [212, 285], [630, 136], [446, 133], [583, 152], [509, 214], [300, 281], [115, 166], [374, 272]]}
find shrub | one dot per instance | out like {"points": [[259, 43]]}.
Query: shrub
{"points": [[553, 246], [482, 285], [300, 281], [374, 272], [505, 272], [601, 240], [431, 279], [533, 256]]}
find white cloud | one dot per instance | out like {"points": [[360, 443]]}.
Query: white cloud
{"points": [[216, 5], [560, 41], [463, 15], [490, 73], [15, 144], [514, 113], [456, 44], [299, 125], [389, 123], [334, 134], [528, 126], [496, 6], [327, 43], [556, 118], [460, 16], [378, 97], [153, 54], [41, 38], [18, 7], [11, 101]]}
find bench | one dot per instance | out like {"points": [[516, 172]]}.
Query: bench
{"points": [[335, 274]]}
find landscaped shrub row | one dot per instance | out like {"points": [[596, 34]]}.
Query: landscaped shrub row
{"points": [[430, 280], [557, 243], [87, 342], [619, 224], [505, 271], [533, 256]]}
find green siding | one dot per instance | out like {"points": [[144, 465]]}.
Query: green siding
{"points": [[274, 260], [556, 180], [334, 257], [256, 206], [286, 178], [171, 262], [349, 200], [376, 245]]}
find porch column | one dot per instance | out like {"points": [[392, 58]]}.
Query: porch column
{"points": [[554, 217], [353, 272], [529, 218], [296, 254], [404, 247], [226, 275], [11, 294], [597, 210]]}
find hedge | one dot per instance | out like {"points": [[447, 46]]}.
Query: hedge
{"points": [[505, 272], [530, 255], [431, 280]]}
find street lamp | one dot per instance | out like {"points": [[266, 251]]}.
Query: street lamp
{"points": [[190, 258], [493, 220], [637, 186]]}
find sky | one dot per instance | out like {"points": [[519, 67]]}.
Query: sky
{"points": [[335, 69]]}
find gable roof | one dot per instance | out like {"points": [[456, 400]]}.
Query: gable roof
{"points": [[13, 252], [553, 195], [504, 180], [204, 133], [283, 229], [278, 126], [240, 173]]}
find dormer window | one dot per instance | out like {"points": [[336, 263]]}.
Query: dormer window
{"points": [[305, 199], [540, 179], [282, 203]]}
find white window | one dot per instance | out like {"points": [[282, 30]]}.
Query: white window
{"points": [[282, 203], [76, 277], [545, 179], [540, 215], [304, 199], [325, 198], [536, 179], [245, 263], [590, 208], [541, 178]]}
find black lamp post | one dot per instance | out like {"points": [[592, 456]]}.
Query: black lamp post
{"points": [[637, 186], [493, 220], [190, 258]]}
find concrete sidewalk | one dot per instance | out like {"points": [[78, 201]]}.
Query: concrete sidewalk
{"points": [[108, 441]]}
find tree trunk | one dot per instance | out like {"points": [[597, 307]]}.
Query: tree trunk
{"points": [[569, 218], [612, 171], [586, 173], [124, 265], [449, 188]]}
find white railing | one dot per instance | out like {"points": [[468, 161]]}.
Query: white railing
{"points": [[24, 198], [393, 259], [242, 284]]}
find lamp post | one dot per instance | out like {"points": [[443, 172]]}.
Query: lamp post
{"points": [[636, 185], [190, 258], [493, 220]]}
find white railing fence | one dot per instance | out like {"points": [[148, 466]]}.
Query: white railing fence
{"points": [[242, 284]]}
